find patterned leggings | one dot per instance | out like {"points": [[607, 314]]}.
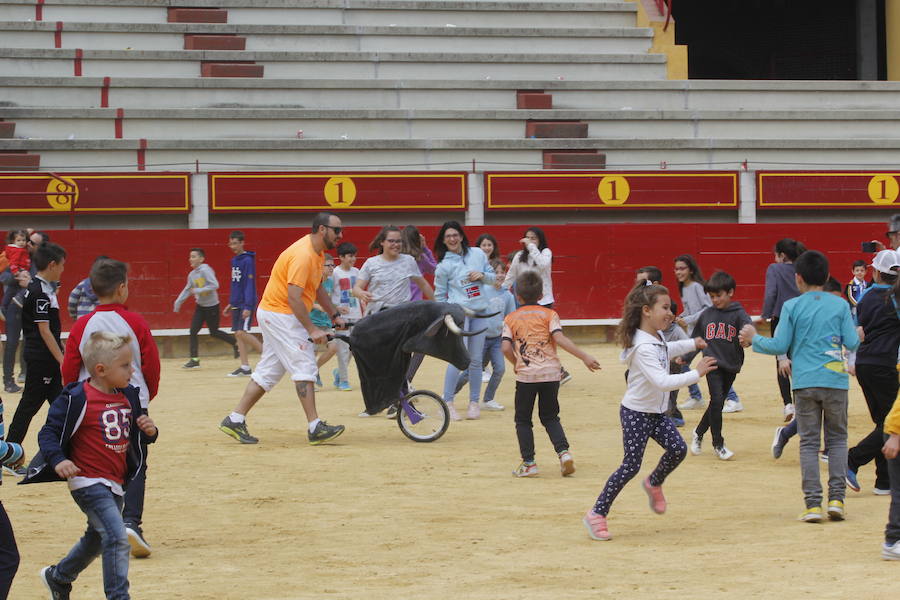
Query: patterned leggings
{"points": [[637, 428]]}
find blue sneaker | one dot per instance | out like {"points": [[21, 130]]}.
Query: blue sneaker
{"points": [[852, 483], [337, 378], [344, 386], [778, 443], [678, 421], [319, 384]]}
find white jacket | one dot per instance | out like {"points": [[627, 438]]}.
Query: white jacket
{"points": [[649, 381]]}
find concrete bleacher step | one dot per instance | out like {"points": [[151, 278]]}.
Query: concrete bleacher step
{"points": [[189, 92], [19, 160], [328, 38], [277, 123], [413, 65], [443, 153], [342, 12]]}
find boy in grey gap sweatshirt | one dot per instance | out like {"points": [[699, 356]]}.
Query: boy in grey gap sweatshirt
{"points": [[202, 283], [719, 325]]}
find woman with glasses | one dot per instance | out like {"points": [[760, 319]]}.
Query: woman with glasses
{"points": [[459, 277], [385, 279]]}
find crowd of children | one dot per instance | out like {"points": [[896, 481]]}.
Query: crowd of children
{"points": [[98, 427]]}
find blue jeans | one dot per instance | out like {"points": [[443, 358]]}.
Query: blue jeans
{"points": [[105, 536], [493, 353], [475, 346]]}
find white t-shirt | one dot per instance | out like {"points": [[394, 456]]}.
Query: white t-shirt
{"points": [[341, 294], [388, 280]]}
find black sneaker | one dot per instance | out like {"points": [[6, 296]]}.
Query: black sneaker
{"points": [[324, 433], [191, 364], [241, 372], [58, 591], [10, 387], [392, 411], [564, 377], [139, 546], [237, 430]]}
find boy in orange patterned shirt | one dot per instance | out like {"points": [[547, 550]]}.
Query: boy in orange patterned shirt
{"points": [[530, 337]]}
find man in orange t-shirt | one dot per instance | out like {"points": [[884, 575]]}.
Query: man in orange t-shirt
{"points": [[289, 336]]}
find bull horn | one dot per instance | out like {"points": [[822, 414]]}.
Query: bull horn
{"points": [[468, 311], [488, 316], [452, 326]]}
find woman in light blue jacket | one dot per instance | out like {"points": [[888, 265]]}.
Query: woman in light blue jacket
{"points": [[458, 279]]}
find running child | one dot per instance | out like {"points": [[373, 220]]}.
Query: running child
{"points": [[343, 280], [242, 302], [202, 283], [530, 337], [41, 326], [647, 311], [813, 329], [91, 439], [110, 280], [719, 326]]}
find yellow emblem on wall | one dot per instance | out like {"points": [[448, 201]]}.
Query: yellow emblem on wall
{"points": [[883, 189], [340, 192], [62, 193], [613, 190]]}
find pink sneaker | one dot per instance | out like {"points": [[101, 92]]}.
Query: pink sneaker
{"points": [[566, 463], [454, 416], [655, 493], [474, 411], [596, 526]]}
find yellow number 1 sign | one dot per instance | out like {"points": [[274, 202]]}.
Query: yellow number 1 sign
{"points": [[883, 189]]}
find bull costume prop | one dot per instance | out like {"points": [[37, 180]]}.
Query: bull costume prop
{"points": [[383, 342]]}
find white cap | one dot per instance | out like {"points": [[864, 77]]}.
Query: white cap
{"points": [[886, 261]]}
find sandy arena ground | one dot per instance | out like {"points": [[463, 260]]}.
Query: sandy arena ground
{"points": [[375, 515]]}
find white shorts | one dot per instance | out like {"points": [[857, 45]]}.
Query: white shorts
{"points": [[286, 349]]}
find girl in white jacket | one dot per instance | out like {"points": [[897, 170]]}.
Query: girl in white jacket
{"points": [[647, 312]]}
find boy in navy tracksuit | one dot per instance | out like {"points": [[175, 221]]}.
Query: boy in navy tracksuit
{"points": [[92, 440], [719, 325], [242, 301]]}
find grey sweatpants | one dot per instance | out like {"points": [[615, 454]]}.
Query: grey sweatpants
{"points": [[818, 407]]}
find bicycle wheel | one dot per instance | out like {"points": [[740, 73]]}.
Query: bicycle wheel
{"points": [[423, 416]]}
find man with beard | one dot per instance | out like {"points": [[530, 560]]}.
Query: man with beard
{"points": [[289, 336]]}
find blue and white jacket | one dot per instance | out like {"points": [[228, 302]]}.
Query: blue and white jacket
{"points": [[63, 420], [243, 281], [451, 279], [10, 453]]}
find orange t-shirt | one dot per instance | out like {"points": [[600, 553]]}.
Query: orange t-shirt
{"points": [[530, 329], [298, 265]]}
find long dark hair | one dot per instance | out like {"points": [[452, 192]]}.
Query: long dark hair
{"points": [[495, 254], [440, 248], [790, 248], [696, 274], [641, 295], [412, 241], [376, 242], [542, 243]]}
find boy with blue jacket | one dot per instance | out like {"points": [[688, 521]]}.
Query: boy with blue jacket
{"points": [[91, 440], [813, 328], [242, 301]]}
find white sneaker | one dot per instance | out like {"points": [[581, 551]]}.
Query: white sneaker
{"points": [[732, 406], [493, 405], [454, 416], [485, 376], [881, 491], [788, 412], [723, 453], [474, 411], [566, 463], [890, 551], [691, 404], [696, 442]]}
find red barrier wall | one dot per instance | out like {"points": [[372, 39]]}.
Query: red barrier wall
{"points": [[593, 267]]}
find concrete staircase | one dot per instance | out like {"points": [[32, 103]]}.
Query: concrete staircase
{"points": [[399, 84]]}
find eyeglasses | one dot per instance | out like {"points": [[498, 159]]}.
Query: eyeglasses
{"points": [[336, 230]]}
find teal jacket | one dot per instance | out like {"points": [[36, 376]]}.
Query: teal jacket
{"points": [[812, 329]]}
